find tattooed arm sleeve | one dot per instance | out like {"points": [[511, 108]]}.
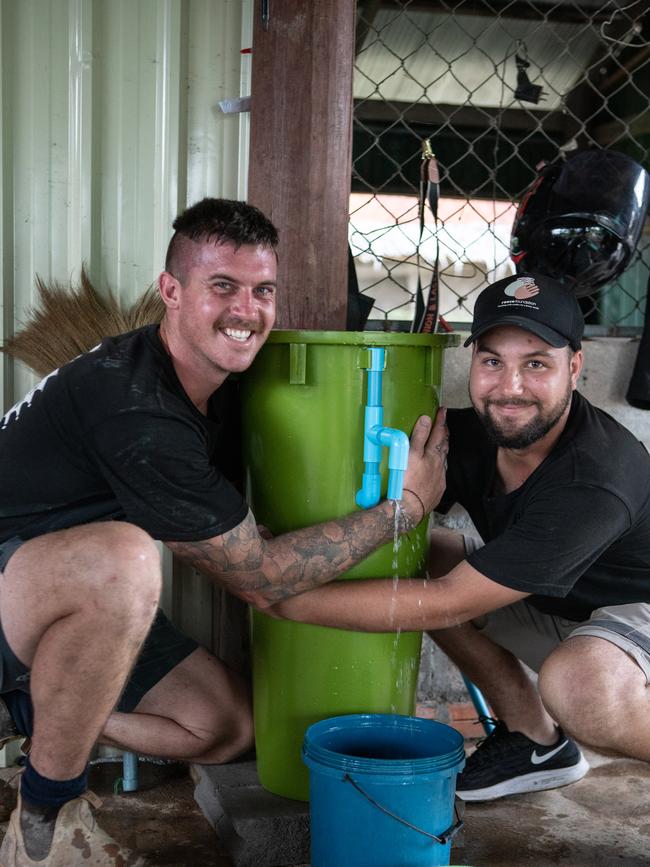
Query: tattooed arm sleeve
{"points": [[264, 571]]}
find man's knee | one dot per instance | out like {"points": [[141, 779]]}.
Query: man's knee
{"points": [[126, 578], [242, 736], [558, 685], [230, 737], [109, 572], [232, 731], [120, 544], [578, 689], [132, 553]]}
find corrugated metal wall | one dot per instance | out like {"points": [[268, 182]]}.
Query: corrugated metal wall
{"points": [[110, 126]]}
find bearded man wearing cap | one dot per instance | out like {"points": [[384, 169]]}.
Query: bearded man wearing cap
{"points": [[560, 578]]}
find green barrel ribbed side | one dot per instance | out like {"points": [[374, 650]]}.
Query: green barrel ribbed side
{"points": [[303, 418]]}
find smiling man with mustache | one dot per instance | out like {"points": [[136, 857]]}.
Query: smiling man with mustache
{"points": [[122, 446]]}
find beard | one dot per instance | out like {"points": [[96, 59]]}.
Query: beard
{"points": [[506, 436]]}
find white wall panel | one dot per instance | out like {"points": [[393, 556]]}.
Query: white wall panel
{"points": [[137, 101], [110, 127], [216, 73], [80, 130]]}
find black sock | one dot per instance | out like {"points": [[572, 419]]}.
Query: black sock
{"points": [[42, 799], [43, 792]]}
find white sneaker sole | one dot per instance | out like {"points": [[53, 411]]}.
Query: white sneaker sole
{"points": [[535, 782]]}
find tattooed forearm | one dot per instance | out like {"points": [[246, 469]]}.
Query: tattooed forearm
{"points": [[264, 571]]}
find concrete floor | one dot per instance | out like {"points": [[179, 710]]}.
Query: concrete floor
{"points": [[602, 821], [161, 820]]}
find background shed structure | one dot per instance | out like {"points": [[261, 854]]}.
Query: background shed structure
{"points": [[110, 125]]}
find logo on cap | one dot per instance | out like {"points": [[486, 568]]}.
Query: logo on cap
{"points": [[523, 289]]}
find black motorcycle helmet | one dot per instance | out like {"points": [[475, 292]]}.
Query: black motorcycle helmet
{"points": [[581, 219]]}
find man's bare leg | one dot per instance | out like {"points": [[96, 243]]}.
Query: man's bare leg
{"points": [[200, 711], [528, 753], [75, 606], [502, 679], [499, 675]]}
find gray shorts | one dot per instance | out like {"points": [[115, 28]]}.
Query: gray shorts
{"points": [[532, 635], [164, 647]]}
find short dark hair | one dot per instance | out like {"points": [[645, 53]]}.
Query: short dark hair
{"points": [[219, 221]]}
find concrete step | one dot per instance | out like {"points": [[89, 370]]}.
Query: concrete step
{"points": [[257, 828]]}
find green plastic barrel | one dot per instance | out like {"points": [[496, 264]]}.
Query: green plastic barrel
{"points": [[303, 426]]}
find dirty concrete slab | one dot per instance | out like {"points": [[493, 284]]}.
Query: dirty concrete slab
{"points": [[161, 820], [602, 821]]}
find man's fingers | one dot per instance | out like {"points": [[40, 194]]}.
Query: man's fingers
{"points": [[420, 433], [429, 436], [425, 478], [439, 437], [441, 417]]}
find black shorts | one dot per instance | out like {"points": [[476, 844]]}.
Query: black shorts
{"points": [[163, 649]]}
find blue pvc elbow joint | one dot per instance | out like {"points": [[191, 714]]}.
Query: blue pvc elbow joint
{"points": [[398, 454], [376, 437], [398, 457], [369, 493]]}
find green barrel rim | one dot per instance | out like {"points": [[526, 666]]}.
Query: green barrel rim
{"points": [[364, 338]]}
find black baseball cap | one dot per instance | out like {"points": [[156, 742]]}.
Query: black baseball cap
{"points": [[534, 302]]}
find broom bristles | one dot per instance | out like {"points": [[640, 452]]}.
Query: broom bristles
{"points": [[70, 320]]}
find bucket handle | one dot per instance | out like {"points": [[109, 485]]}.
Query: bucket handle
{"points": [[443, 838]]}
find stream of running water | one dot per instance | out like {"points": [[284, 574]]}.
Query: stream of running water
{"points": [[404, 669], [397, 543]]}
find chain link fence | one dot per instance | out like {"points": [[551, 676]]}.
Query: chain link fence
{"points": [[497, 87]]}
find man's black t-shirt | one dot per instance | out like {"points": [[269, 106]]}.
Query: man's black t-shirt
{"points": [[113, 435], [576, 534]]}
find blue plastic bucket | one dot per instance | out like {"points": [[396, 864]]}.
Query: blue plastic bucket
{"points": [[382, 790]]}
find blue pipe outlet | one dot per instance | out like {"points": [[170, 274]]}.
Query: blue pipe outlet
{"points": [[376, 437], [369, 493], [398, 457]]}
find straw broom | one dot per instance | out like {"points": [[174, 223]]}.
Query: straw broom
{"points": [[67, 321]]}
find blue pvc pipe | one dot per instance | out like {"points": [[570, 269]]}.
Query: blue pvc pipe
{"points": [[480, 705], [377, 436], [375, 376], [129, 772]]}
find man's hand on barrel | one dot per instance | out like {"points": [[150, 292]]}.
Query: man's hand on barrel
{"points": [[424, 480]]}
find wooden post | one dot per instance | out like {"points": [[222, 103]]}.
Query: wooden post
{"points": [[300, 150]]}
